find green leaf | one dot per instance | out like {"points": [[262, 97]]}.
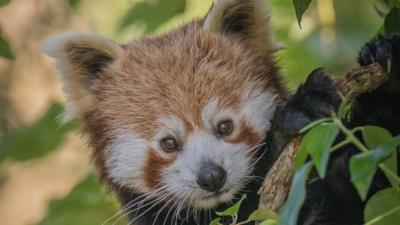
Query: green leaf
{"points": [[231, 211], [374, 136], [4, 2], [383, 208], [263, 214], [36, 140], [392, 21], [317, 142], [86, 204], [5, 49], [301, 157], [152, 14], [364, 165], [269, 222], [300, 7], [216, 221], [290, 211]]}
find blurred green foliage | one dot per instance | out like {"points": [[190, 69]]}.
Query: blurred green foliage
{"points": [[87, 204], [152, 14], [74, 3], [4, 2], [37, 139], [5, 48]]}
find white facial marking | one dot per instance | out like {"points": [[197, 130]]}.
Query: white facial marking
{"points": [[181, 176], [258, 108], [126, 156], [169, 126], [212, 114]]}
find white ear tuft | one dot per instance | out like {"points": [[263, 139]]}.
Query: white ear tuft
{"points": [[53, 46], [80, 59]]}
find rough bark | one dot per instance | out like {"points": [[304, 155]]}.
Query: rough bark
{"points": [[276, 186]]}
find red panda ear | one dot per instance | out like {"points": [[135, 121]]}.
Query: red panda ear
{"points": [[246, 20], [80, 58]]}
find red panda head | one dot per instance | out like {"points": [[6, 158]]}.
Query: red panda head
{"points": [[179, 115]]}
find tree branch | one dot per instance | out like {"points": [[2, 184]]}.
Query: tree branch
{"points": [[276, 186]]}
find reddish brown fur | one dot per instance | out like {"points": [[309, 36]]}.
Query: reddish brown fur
{"points": [[176, 73], [97, 129], [246, 135], [154, 167]]}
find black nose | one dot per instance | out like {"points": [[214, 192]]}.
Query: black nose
{"points": [[211, 177]]}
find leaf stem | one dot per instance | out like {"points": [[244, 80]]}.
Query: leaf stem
{"points": [[243, 222], [354, 140], [382, 216], [340, 145]]}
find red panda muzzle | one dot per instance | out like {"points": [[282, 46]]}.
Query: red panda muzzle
{"points": [[211, 177]]}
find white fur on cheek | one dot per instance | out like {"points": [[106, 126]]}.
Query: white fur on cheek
{"points": [[126, 156], [258, 108], [181, 177]]}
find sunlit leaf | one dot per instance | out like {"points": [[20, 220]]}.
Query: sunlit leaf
{"points": [[269, 222], [300, 158], [364, 165], [317, 143], [300, 7], [383, 208], [152, 14], [5, 49], [216, 221], [36, 140], [263, 214], [86, 204], [290, 211], [231, 211], [392, 21]]}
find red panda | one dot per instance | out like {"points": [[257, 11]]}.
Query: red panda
{"points": [[177, 120]]}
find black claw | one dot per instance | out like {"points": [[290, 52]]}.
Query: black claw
{"points": [[366, 55], [385, 50]]}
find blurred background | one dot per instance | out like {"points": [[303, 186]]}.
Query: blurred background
{"points": [[46, 176]]}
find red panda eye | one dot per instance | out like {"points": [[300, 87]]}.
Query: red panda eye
{"points": [[169, 144], [225, 127]]}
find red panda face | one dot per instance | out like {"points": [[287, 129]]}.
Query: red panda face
{"points": [[186, 115], [180, 116]]}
